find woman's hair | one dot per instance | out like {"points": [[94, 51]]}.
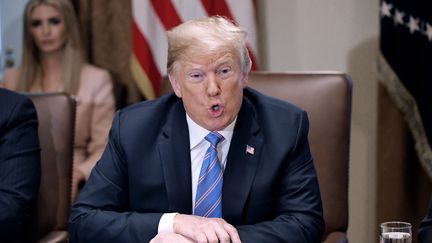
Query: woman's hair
{"points": [[213, 34], [31, 68]]}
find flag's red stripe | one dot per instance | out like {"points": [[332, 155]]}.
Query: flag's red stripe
{"points": [[251, 53], [253, 59], [219, 7], [167, 13], [145, 58], [254, 8]]}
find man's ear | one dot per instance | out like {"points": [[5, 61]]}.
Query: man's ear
{"points": [[244, 79], [175, 85]]}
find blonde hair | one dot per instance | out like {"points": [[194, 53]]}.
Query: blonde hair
{"points": [[31, 68], [213, 34]]}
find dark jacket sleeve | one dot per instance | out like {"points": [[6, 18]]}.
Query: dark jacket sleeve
{"points": [[101, 213], [425, 231], [19, 164], [299, 210]]}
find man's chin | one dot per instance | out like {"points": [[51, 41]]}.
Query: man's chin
{"points": [[214, 126]]}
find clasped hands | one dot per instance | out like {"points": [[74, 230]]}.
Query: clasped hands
{"points": [[196, 229]]}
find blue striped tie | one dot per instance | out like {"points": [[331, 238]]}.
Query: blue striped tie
{"points": [[208, 201]]}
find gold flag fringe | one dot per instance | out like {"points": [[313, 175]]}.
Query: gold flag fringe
{"points": [[408, 105]]}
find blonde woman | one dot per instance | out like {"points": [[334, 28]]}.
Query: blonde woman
{"points": [[53, 61]]}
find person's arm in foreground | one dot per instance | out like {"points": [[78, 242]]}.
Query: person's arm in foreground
{"points": [[19, 166], [100, 213]]}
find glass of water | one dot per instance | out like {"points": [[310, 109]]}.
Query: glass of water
{"points": [[395, 232]]}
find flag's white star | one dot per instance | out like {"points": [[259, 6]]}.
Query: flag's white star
{"points": [[413, 24], [385, 9], [428, 31], [398, 17]]}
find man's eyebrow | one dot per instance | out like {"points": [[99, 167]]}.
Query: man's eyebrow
{"points": [[194, 69]]}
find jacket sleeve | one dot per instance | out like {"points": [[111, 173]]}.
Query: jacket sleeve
{"points": [[19, 166], [299, 215], [425, 231], [101, 213]]}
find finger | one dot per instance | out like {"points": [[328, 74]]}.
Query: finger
{"points": [[211, 236], [218, 226], [155, 239], [222, 235], [233, 233], [213, 230], [200, 237]]}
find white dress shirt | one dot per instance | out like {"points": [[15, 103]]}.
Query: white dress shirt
{"points": [[198, 149]]}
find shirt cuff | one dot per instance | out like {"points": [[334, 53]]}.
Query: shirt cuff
{"points": [[166, 223]]}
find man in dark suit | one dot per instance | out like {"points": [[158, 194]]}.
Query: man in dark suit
{"points": [[425, 232], [19, 164], [214, 162]]}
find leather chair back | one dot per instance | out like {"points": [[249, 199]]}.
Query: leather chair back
{"points": [[56, 115], [326, 96]]}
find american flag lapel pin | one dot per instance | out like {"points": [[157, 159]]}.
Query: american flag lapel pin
{"points": [[250, 150]]}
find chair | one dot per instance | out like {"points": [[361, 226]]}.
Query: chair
{"points": [[56, 115], [326, 96]]}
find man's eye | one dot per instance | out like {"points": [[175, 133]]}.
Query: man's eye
{"points": [[196, 77], [224, 72], [54, 20], [35, 23]]}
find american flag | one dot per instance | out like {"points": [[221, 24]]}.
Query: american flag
{"points": [[151, 19], [250, 150], [406, 66]]}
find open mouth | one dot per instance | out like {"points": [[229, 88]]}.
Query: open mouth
{"points": [[216, 110], [215, 107]]}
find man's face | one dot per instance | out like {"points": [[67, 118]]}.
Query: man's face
{"points": [[211, 87]]}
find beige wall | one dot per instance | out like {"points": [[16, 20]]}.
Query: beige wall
{"points": [[337, 35]]}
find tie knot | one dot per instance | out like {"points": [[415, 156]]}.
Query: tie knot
{"points": [[214, 138]]}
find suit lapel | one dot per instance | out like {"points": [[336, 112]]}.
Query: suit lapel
{"points": [[173, 145], [241, 165]]}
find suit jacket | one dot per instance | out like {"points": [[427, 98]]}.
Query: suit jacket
{"points": [[271, 195], [19, 164], [425, 231]]}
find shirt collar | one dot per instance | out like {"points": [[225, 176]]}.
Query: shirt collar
{"points": [[198, 133]]}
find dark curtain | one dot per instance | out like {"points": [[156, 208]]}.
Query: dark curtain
{"points": [[106, 31]]}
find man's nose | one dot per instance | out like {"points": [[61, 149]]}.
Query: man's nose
{"points": [[213, 88]]}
